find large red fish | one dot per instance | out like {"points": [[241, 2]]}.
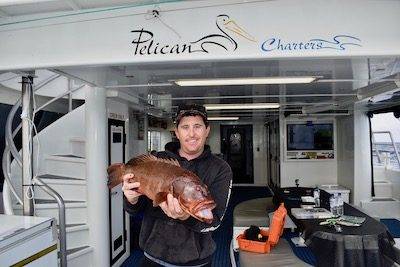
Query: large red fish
{"points": [[158, 177]]}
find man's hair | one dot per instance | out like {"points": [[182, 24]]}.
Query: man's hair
{"points": [[191, 110]]}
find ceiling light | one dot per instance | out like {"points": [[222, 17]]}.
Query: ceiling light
{"points": [[243, 81], [241, 106], [222, 118]]}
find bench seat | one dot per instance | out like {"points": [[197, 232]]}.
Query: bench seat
{"points": [[281, 255], [253, 212]]}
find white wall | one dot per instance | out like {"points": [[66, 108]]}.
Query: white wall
{"points": [[214, 139], [362, 156], [309, 172], [345, 152]]}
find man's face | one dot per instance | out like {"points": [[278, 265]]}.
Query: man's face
{"points": [[192, 134]]}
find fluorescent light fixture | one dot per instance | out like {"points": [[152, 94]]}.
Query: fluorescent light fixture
{"points": [[243, 81], [241, 106], [222, 118]]}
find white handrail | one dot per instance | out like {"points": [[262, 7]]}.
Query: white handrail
{"points": [[392, 141]]}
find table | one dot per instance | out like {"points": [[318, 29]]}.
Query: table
{"points": [[354, 246], [365, 245]]}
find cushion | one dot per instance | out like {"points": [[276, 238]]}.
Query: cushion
{"points": [[253, 212]]}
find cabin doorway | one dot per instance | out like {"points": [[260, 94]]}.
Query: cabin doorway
{"points": [[116, 154], [237, 149]]}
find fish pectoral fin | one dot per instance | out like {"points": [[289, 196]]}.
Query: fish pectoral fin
{"points": [[160, 197]]}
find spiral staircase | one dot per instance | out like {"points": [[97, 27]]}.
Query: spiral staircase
{"points": [[59, 168]]}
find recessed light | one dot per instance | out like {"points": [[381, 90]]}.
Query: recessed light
{"points": [[241, 106], [244, 81]]}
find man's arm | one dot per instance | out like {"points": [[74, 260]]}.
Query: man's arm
{"points": [[220, 191]]}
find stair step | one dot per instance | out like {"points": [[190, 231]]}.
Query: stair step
{"points": [[66, 165], [77, 236], [74, 224], [79, 256], [69, 188], [68, 157], [74, 250], [75, 211], [76, 227], [78, 146], [59, 177], [52, 201]]}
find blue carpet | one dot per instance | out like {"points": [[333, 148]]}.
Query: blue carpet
{"points": [[134, 259], [393, 226], [223, 234]]}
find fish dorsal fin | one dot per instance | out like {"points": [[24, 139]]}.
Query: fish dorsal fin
{"points": [[149, 157]]}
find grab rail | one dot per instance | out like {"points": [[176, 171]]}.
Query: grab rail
{"points": [[61, 219], [392, 142]]}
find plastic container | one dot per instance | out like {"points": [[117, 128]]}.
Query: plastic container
{"points": [[333, 204], [316, 197], [254, 246], [274, 233], [339, 207]]}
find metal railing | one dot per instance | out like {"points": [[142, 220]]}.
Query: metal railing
{"points": [[392, 143], [61, 219]]}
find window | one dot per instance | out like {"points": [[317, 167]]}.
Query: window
{"points": [[154, 141], [385, 137], [385, 145]]}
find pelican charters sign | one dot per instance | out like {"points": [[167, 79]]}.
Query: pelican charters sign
{"points": [[338, 42], [226, 36], [145, 43]]}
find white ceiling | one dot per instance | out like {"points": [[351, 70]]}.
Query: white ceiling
{"points": [[336, 89]]}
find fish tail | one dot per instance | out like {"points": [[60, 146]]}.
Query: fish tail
{"points": [[115, 173]]}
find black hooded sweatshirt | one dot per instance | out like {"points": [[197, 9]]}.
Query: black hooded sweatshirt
{"points": [[187, 242]]}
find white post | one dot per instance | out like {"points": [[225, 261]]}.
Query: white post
{"points": [[362, 156], [96, 175], [27, 97]]}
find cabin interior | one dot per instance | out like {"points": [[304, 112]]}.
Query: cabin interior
{"points": [[97, 96]]}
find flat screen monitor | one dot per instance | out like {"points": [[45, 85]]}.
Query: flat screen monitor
{"points": [[310, 136]]}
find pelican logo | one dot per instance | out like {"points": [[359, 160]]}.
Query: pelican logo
{"points": [[338, 42], [145, 44]]}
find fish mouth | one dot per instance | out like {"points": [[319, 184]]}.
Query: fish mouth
{"points": [[202, 211], [209, 204], [205, 215]]}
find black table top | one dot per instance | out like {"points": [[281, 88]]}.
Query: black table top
{"points": [[363, 245], [369, 227]]}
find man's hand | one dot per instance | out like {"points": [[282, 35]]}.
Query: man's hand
{"points": [[172, 209], [130, 189]]}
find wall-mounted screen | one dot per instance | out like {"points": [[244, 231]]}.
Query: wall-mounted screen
{"points": [[310, 136]]}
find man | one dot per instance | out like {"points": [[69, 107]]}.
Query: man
{"points": [[169, 236]]}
